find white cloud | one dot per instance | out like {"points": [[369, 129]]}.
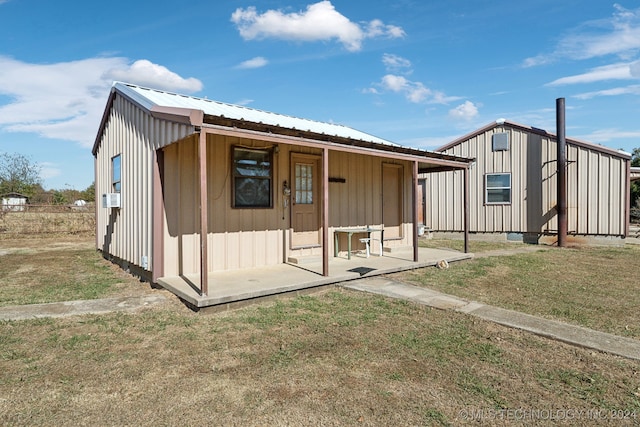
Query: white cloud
{"points": [[466, 111], [395, 83], [66, 100], [49, 170], [628, 90], [617, 35], [256, 62], [608, 135], [395, 63], [536, 60], [440, 98], [244, 102], [621, 71], [319, 22], [415, 92], [146, 73], [377, 28]]}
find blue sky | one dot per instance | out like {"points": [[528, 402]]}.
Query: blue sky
{"points": [[419, 73]]}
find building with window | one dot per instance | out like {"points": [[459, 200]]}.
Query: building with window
{"points": [[512, 186], [192, 186]]}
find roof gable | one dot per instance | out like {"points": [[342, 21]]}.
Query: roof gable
{"points": [[509, 124], [202, 112], [150, 98]]}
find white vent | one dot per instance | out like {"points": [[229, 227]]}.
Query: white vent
{"points": [[111, 200]]}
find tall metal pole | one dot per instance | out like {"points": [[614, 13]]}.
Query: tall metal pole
{"points": [[414, 212], [562, 173]]}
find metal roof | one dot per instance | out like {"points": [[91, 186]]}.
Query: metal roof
{"points": [[508, 123], [149, 98]]}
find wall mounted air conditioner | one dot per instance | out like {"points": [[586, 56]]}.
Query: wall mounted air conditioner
{"points": [[111, 200]]}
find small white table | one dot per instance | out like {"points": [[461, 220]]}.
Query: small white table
{"points": [[350, 232]]}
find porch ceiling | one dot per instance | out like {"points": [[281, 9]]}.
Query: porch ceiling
{"points": [[336, 139], [426, 159]]}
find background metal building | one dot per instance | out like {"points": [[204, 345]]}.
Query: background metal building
{"points": [[512, 185]]}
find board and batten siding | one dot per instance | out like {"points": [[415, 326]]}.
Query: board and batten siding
{"points": [[358, 201], [237, 238], [126, 233], [248, 238], [596, 190]]}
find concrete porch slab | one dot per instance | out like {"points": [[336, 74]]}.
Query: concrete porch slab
{"points": [[232, 287]]}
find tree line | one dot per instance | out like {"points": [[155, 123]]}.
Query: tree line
{"points": [[19, 174]]}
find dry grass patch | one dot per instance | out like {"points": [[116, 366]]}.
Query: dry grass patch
{"points": [[338, 358], [475, 246], [47, 220], [596, 287], [46, 270]]}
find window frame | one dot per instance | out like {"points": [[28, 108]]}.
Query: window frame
{"points": [[235, 176], [308, 190], [501, 188], [116, 180]]}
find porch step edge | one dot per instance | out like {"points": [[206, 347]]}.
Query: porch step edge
{"points": [[307, 259]]}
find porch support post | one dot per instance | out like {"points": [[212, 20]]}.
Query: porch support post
{"points": [[415, 211], [204, 214], [325, 212], [157, 242], [465, 203]]}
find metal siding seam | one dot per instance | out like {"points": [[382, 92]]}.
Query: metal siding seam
{"points": [[613, 195], [603, 212]]}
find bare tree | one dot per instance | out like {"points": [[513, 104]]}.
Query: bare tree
{"points": [[18, 174]]}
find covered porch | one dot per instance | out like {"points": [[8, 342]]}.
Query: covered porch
{"points": [[205, 255], [232, 288]]}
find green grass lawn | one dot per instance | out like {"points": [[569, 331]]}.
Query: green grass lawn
{"points": [[51, 270], [596, 287], [333, 358]]}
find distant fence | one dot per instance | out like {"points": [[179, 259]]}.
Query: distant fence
{"points": [[47, 220]]}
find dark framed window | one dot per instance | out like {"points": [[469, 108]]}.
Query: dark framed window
{"points": [[252, 178], [497, 188], [116, 173]]}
